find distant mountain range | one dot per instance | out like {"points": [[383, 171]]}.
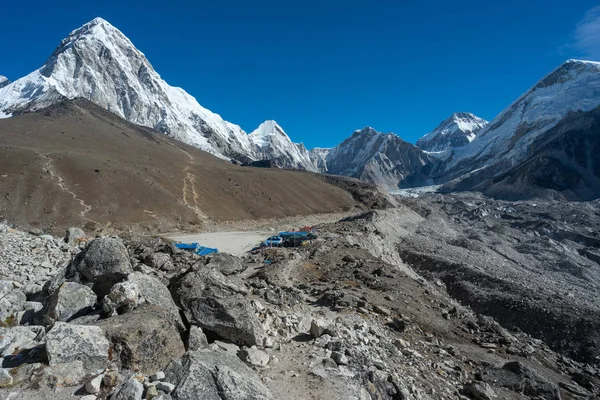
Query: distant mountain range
{"points": [[97, 62]]}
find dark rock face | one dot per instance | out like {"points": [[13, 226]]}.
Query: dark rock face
{"points": [[210, 375], [260, 164], [565, 161], [145, 339], [383, 159]]}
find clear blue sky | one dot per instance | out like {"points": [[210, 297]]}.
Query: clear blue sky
{"points": [[325, 68]]}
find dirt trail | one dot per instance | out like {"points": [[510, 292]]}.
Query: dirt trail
{"points": [[189, 190], [49, 168]]}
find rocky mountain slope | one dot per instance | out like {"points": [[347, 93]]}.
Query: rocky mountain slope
{"points": [[458, 130], [563, 163], [381, 158], [75, 163], [344, 318], [524, 128], [99, 63]]}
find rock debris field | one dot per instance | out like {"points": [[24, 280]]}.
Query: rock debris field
{"points": [[358, 314]]}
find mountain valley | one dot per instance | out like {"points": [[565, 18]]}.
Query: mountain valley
{"points": [[465, 266]]}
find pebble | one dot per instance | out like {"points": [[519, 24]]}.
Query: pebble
{"points": [[165, 387]]}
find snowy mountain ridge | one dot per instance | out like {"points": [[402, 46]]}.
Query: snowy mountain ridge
{"points": [[98, 62], [572, 87], [274, 144], [458, 130]]}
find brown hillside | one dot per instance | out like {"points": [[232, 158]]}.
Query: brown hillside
{"points": [[77, 164]]}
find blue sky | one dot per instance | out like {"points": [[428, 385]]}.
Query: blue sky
{"points": [[325, 68]]}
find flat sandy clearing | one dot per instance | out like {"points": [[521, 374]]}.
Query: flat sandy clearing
{"points": [[236, 243]]}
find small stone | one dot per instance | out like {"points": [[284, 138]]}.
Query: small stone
{"points": [[5, 378], [88, 397], [131, 390], [93, 386], [388, 297], [382, 310], [329, 363], [348, 258], [228, 347], [112, 379], [268, 343], [151, 392], [479, 391], [318, 328], [158, 376], [339, 357], [322, 341], [401, 343], [165, 387], [254, 356], [197, 339]]}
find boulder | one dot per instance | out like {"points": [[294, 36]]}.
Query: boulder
{"points": [[70, 301], [74, 236], [214, 302], [20, 338], [161, 261], [210, 375], [226, 264], [132, 389], [318, 328], [137, 290], [231, 317], [104, 262], [67, 342], [144, 340]]}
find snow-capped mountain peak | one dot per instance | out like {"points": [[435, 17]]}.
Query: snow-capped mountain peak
{"points": [[98, 62], [458, 130], [267, 132], [273, 143], [507, 140]]}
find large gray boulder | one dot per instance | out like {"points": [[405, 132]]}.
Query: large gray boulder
{"points": [[105, 261], [145, 339], [227, 264], [137, 290], [212, 375], [69, 301], [215, 303], [68, 342]]}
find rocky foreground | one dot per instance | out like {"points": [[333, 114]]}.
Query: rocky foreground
{"points": [[344, 318]]}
